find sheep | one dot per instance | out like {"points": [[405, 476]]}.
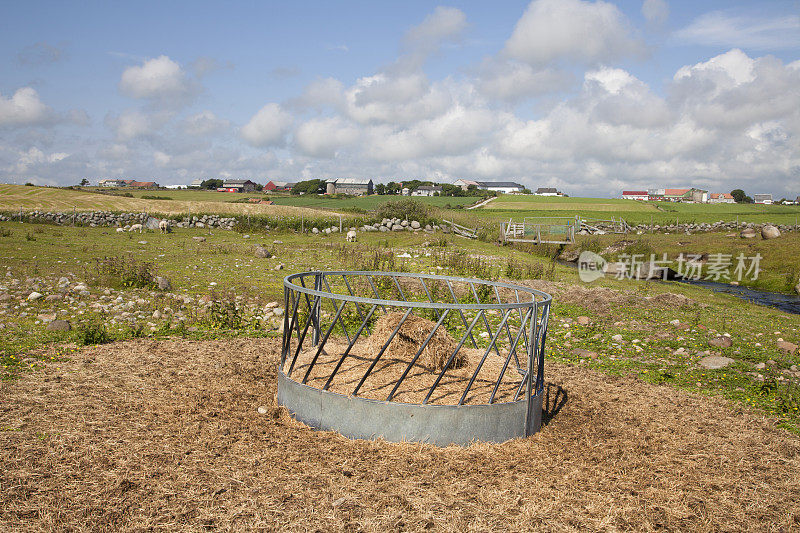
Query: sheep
{"points": [[351, 236], [136, 227], [120, 230], [163, 226]]}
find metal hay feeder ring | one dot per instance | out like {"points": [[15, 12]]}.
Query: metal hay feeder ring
{"points": [[413, 357]]}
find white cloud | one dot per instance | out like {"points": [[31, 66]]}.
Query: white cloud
{"points": [[573, 31], [512, 80], [723, 28], [160, 79], [396, 99], [323, 137], [204, 123], [655, 11], [268, 127], [23, 109]]}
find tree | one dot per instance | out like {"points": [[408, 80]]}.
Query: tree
{"points": [[740, 196], [380, 188], [393, 188], [308, 187], [84, 182], [211, 184]]}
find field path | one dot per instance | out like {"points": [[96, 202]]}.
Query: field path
{"points": [[165, 434], [483, 203]]}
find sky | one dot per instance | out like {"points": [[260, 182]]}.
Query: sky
{"points": [[591, 97]]}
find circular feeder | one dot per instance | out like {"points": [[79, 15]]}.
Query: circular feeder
{"points": [[413, 357]]}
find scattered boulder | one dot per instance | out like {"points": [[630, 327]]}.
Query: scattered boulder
{"points": [[721, 342], [279, 266], [199, 239], [748, 233], [583, 320], [787, 347], [415, 224], [714, 362], [570, 255], [152, 223], [262, 252], [163, 283], [770, 232], [32, 297], [59, 325]]}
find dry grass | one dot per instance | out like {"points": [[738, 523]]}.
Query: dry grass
{"points": [[16, 197], [410, 337], [165, 435]]}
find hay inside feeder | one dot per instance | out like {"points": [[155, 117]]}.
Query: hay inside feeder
{"points": [[410, 337]]}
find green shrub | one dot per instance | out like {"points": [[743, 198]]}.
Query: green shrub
{"points": [[93, 333], [406, 209], [128, 271]]}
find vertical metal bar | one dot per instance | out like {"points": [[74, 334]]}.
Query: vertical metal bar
{"points": [[292, 325], [358, 307], [287, 333], [452, 356], [416, 356], [485, 321], [512, 351], [483, 359], [322, 344], [383, 349], [316, 313], [460, 312], [349, 347], [531, 351], [303, 336], [336, 307], [541, 342]]}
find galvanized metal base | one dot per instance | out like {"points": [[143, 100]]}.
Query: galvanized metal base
{"points": [[362, 418]]}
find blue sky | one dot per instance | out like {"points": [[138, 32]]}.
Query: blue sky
{"points": [[591, 97]]}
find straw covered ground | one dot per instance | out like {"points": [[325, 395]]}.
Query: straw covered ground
{"points": [[166, 435]]}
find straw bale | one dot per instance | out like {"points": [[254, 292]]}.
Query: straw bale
{"points": [[410, 337]]}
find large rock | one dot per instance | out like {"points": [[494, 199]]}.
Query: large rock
{"points": [[262, 252], [714, 362], [787, 347], [748, 233], [415, 224], [199, 239], [770, 232], [721, 342], [59, 325], [163, 283], [32, 297], [397, 227], [151, 223]]}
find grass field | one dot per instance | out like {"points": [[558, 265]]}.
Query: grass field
{"points": [[634, 212], [160, 427], [16, 197]]}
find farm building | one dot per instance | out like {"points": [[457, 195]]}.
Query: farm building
{"points": [[721, 198], [111, 183], [679, 195], [278, 186], [141, 184], [239, 185], [464, 184], [547, 191], [426, 190], [355, 186], [497, 186], [196, 184], [765, 199], [635, 195]]}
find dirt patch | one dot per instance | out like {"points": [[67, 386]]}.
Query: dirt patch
{"points": [[166, 435]]}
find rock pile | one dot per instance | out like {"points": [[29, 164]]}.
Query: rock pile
{"points": [[122, 220]]}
